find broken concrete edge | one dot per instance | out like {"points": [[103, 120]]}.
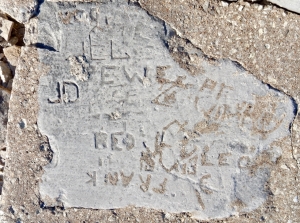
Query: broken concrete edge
{"points": [[10, 36], [289, 5], [50, 209]]}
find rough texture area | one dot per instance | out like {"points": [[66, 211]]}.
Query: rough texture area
{"points": [[21, 10], [275, 63]]}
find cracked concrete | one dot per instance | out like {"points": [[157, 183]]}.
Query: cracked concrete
{"points": [[264, 39]]}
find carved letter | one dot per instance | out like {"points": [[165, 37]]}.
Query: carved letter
{"points": [[242, 160], [93, 178], [100, 140], [112, 179], [66, 96], [129, 141], [204, 159], [104, 75], [114, 141], [209, 84], [193, 165], [126, 56], [145, 185], [204, 188], [223, 86], [126, 179], [162, 188], [147, 158], [58, 100], [131, 79], [199, 199], [223, 160]]}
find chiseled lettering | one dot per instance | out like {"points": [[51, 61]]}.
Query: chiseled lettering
{"points": [[223, 159], [208, 84], [93, 179], [106, 72], [204, 158]]}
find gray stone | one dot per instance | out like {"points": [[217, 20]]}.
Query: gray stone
{"points": [[292, 5], [139, 129]]}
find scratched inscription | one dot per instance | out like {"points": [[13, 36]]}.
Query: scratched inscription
{"points": [[128, 126]]}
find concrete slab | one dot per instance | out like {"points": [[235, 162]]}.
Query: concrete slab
{"points": [[129, 126]]}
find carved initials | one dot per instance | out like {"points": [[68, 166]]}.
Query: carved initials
{"points": [[64, 95]]}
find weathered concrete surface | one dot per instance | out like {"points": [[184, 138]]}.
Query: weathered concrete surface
{"points": [[150, 133], [25, 148], [292, 5], [20, 10]]}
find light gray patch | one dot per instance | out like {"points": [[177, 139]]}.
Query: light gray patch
{"points": [[292, 5]]}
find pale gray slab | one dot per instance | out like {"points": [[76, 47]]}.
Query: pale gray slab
{"points": [[118, 110], [292, 5]]}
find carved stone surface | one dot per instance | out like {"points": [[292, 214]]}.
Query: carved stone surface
{"points": [[130, 125], [292, 5]]}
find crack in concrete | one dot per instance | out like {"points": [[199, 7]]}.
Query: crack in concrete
{"points": [[37, 9]]}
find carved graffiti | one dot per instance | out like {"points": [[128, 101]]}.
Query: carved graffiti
{"points": [[68, 92]]}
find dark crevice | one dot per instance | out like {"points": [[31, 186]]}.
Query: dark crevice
{"points": [[295, 105], [43, 46], [260, 2], [37, 9]]}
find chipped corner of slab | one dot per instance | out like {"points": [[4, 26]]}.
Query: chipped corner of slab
{"points": [[129, 126]]}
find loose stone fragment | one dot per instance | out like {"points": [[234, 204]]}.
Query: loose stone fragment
{"points": [[5, 28], [12, 54], [5, 72], [199, 137]]}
